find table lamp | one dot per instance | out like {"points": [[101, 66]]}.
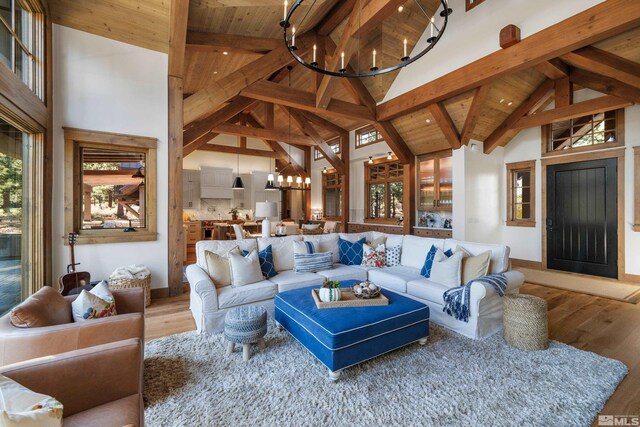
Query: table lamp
{"points": [[266, 210]]}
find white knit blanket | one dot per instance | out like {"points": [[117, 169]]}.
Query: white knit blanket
{"points": [[135, 271]]}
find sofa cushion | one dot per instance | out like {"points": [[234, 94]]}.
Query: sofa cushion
{"points": [[122, 412], [20, 406], [425, 271], [245, 269], [282, 248], [415, 249], [311, 263], [221, 247], [394, 278], [373, 256], [44, 308], [351, 252], [344, 272], [427, 290], [260, 291], [325, 243], [354, 237], [447, 270], [89, 306], [391, 240], [265, 257], [218, 267], [287, 280], [304, 247], [499, 253], [474, 266]]}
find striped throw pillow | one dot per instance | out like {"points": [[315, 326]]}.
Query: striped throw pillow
{"points": [[311, 263]]}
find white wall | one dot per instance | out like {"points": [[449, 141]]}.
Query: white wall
{"points": [[105, 85], [472, 35]]}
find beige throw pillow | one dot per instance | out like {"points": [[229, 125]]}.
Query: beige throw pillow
{"points": [[474, 267], [245, 270], [377, 242], [218, 267]]}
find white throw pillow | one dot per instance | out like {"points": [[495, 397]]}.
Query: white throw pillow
{"points": [[95, 304], [218, 267], [245, 270], [310, 226], [447, 270], [21, 407]]}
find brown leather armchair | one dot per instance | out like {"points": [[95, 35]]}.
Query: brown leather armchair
{"points": [[18, 344], [97, 386]]}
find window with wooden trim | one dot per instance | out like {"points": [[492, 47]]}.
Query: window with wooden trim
{"points": [[22, 41], [334, 144], [521, 194], [110, 186], [367, 135], [383, 190], [332, 194], [594, 131]]}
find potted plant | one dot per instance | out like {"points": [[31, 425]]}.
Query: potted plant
{"points": [[234, 214], [330, 291]]}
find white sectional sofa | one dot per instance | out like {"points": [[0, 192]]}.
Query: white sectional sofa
{"points": [[209, 305]]}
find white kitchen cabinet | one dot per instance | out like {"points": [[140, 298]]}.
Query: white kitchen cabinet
{"points": [[190, 189]]}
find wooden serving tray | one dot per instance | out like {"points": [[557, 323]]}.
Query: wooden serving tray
{"points": [[349, 299]]}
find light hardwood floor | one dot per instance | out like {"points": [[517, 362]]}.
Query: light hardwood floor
{"points": [[607, 327]]}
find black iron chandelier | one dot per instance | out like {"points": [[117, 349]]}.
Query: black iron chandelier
{"points": [[405, 59]]}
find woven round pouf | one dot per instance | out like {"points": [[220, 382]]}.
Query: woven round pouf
{"points": [[245, 325], [525, 322]]}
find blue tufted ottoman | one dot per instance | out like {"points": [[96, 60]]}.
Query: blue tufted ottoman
{"points": [[245, 325], [343, 337]]}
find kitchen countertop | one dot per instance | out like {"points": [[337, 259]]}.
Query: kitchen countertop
{"points": [[432, 228], [376, 225]]}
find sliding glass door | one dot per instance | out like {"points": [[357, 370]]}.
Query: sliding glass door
{"points": [[14, 148]]}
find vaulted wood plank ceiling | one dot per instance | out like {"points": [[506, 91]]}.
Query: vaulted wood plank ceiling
{"points": [[144, 23]]}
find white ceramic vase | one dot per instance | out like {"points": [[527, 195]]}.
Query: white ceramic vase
{"points": [[330, 294]]}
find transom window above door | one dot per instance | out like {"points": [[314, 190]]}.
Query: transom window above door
{"points": [[600, 130]]}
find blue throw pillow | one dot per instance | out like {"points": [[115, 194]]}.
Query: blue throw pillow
{"points": [[428, 261], [351, 253], [266, 262]]}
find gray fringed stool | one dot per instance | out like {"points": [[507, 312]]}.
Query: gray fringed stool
{"points": [[245, 325]]}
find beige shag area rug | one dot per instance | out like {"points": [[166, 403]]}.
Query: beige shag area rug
{"points": [[452, 381]]}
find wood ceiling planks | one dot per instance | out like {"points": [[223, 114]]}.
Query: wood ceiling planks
{"points": [[143, 23]]}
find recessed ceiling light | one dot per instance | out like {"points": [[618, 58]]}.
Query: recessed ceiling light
{"points": [[502, 100], [510, 103], [400, 9], [428, 120], [225, 53], [215, 72]]}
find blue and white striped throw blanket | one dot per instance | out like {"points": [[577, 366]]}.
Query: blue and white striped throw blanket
{"points": [[456, 300]]}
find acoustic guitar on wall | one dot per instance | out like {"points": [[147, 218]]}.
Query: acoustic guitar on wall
{"points": [[73, 280]]}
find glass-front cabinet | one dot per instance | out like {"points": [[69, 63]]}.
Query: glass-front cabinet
{"points": [[435, 183]]}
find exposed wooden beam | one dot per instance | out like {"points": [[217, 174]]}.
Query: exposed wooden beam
{"points": [[504, 132], [323, 123], [239, 130], [269, 115], [230, 43], [584, 108], [602, 21], [305, 127], [214, 94], [395, 141], [175, 231], [606, 64], [605, 85], [199, 142], [335, 17], [290, 97], [479, 96], [444, 121], [563, 92], [554, 69], [281, 153], [358, 26], [217, 148], [321, 59], [193, 134]]}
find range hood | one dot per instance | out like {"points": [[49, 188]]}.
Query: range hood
{"points": [[215, 183]]}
